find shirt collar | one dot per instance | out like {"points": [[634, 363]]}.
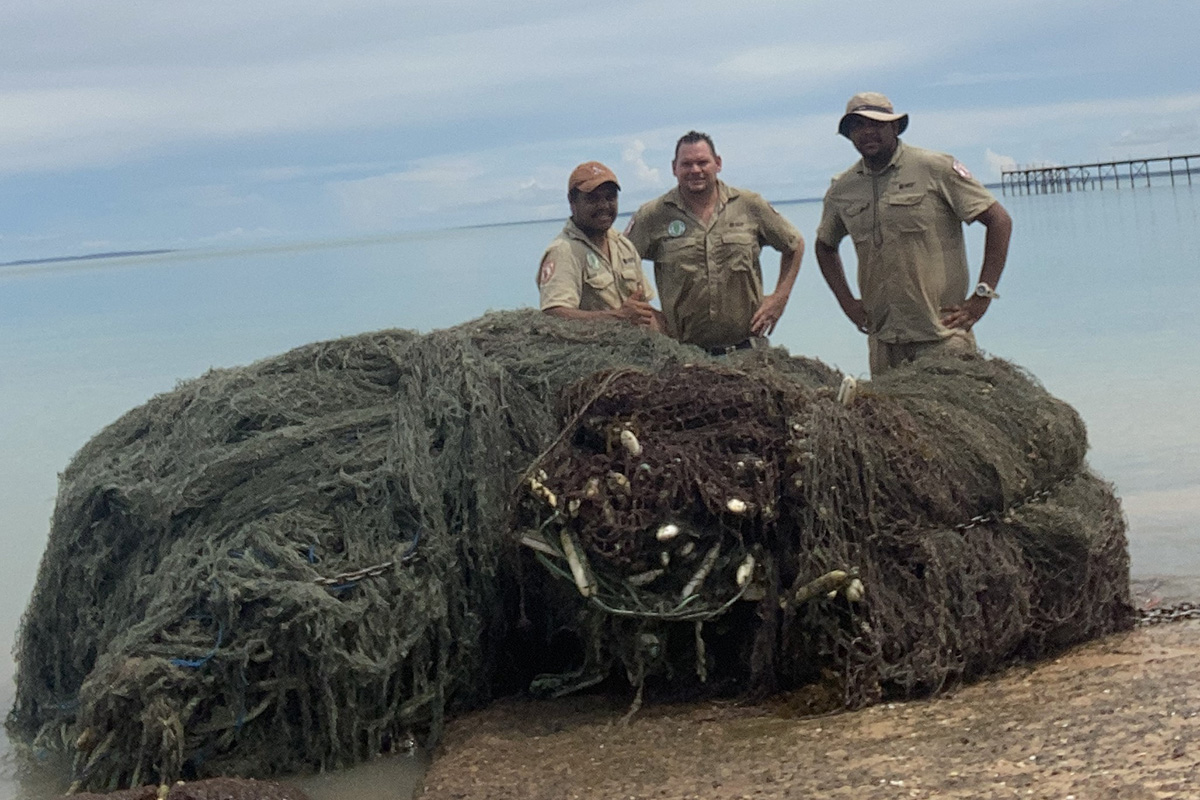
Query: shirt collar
{"points": [[725, 193], [575, 232], [894, 162]]}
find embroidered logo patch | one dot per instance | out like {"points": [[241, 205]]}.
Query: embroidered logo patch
{"points": [[593, 262], [962, 170], [546, 272], [676, 228]]}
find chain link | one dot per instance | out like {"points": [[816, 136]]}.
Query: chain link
{"points": [[353, 576], [995, 516], [1147, 616], [1172, 613]]}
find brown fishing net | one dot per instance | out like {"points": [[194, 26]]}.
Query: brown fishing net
{"points": [[928, 530], [301, 563]]}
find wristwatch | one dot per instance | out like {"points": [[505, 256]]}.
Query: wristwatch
{"points": [[983, 290]]}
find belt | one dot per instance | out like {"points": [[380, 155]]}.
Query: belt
{"points": [[745, 344]]}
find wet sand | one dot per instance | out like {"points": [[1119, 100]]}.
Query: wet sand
{"points": [[1114, 718]]}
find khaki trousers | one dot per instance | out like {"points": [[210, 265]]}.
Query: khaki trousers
{"points": [[886, 355]]}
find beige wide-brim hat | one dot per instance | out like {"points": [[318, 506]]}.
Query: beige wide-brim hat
{"points": [[871, 105]]}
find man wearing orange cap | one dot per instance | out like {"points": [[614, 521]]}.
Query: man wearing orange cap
{"points": [[904, 207], [591, 271]]}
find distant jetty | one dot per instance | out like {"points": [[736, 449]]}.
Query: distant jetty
{"points": [[1132, 173]]}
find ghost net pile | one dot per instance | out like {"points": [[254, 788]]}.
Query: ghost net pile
{"points": [[300, 563], [742, 523]]}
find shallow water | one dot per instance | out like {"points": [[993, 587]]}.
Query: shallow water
{"points": [[1095, 302]]}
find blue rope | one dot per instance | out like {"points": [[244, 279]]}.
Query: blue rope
{"points": [[200, 662]]}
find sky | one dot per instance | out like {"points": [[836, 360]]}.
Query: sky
{"points": [[143, 124]]}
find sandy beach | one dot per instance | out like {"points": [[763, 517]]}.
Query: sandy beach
{"points": [[1113, 718]]}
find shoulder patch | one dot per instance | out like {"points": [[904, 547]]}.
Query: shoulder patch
{"points": [[961, 169], [547, 271]]}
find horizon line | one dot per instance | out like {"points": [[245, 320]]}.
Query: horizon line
{"points": [[287, 244]]}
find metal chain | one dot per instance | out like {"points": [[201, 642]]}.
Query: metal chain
{"points": [[1172, 613], [994, 516], [353, 576], [1147, 616]]}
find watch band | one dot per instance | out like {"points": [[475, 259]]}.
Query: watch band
{"points": [[984, 290]]}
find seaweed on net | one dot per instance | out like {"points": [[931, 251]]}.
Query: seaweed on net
{"points": [[932, 529], [299, 563]]}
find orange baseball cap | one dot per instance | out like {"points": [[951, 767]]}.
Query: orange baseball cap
{"points": [[590, 174]]}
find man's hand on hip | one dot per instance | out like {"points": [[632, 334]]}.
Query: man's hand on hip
{"points": [[767, 317]]}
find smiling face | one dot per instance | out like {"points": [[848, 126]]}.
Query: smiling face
{"points": [[595, 211], [696, 167], [876, 141]]}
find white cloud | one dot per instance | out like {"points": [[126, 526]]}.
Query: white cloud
{"points": [[783, 157], [236, 236], [471, 188], [70, 116], [1160, 133], [416, 114], [977, 78], [220, 196], [998, 163], [127, 80], [813, 61], [633, 155], [378, 202], [294, 172]]}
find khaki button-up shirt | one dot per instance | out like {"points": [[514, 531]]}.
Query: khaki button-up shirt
{"points": [[906, 222], [574, 273], [709, 275]]}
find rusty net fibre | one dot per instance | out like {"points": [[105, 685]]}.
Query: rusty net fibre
{"points": [[297, 564], [931, 529]]}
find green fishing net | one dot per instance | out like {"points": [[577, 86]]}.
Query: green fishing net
{"points": [[304, 562]]}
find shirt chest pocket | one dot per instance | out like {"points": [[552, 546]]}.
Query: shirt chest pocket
{"points": [[906, 213], [858, 220], [682, 252], [737, 249], [631, 276], [598, 279]]}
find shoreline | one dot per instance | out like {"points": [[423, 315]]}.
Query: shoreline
{"points": [[1120, 702], [1112, 718]]}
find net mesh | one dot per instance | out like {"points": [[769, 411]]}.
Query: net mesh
{"points": [[301, 563], [932, 528]]}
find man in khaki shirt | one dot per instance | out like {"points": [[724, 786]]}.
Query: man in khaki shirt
{"points": [[904, 208], [704, 238], [590, 271]]}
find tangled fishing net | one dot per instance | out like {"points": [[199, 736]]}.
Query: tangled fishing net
{"points": [[928, 530], [307, 561]]}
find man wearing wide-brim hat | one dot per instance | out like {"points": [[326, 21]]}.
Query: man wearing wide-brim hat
{"points": [[590, 271], [904, 208]]}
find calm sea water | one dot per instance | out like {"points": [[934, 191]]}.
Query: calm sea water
{"points": [[1097, 301]]}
